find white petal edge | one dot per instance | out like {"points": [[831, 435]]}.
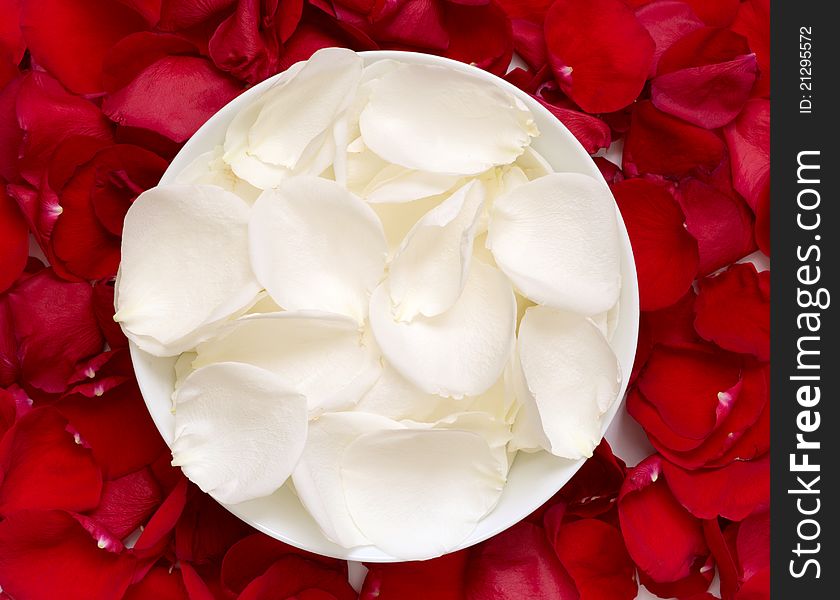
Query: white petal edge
{"points": [[325, 357], [239, 431], [568, 377], [410, 497], [460, 352], [317, 477], [456, 123], [557, 239], [210, 168], [316, 246], [185, 266], [430, 269]]}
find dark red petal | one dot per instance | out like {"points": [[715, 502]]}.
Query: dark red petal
{"points": [[241, 45], [666, 255], [164, 519], [11, 134], [666, 21], [593, 489], [529, 42], [49, 115], [159, 583], [664, 145], [755, 588], [673, 326], [14, 240], [197, 588], [8, 413], [762, 218], [440, 578], [604, 76], [709, 96], [70, 38], [135, 52], [721, 223], [695, 583], [591, 132], [610, 171], [43, 467], [594, 555], [103, 308], [647, 509], [148, 9], [173, 97], [9, 360], [56, 328], [117, 427], [753, 544], [753, 22], [703, 47], [718, 13], [127, 502], [12, 44], [291, 575], [722, 551], [733, 492], [206, 529], [532, 10], [48, 554], [518, 563], [185, 14], [733, 310], [418, 23], [251, 556], [692, 390], [480, 34], [748, 139]]}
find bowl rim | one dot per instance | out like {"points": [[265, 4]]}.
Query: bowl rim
{"points": [[629, 307]]}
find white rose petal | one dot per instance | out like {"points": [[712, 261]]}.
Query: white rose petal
{"points": [[314, 245], [393, 396], [557, 239], [289, 129], [533, 164], [430, 269], [568, 377], [418, 493], [210, 168], [185, 266], [239, 431], [324, 357], [398, 218], [431, 118], [460, 352], [317, 477]]}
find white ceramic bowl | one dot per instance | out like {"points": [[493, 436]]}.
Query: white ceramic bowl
{"points": [[534, 478]]}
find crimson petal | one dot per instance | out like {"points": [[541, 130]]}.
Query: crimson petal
{"points": [[480, 34], [593, 133], [718, 13], [609, 75], [748, 139], [666, 255], [159, 583], [293, 576], [127, 502], [666, 21], [14, 240], [753, 22], [440, 578]]}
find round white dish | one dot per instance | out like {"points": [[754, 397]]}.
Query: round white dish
{"points": [[533, 478]]}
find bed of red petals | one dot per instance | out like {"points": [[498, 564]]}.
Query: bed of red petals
{"points": [[96, 96]]}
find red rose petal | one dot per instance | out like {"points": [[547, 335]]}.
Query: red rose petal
{"points": [[293, 576], [594, 555], [251, 556], [666, 255], [14, 240], [695, 583], [116, 426], [148, 9], [243, 46], [197, 588], [440, 578], [8, 412], [9, 360], [164, 519], [480, 34], [703, 47], [753, 544], [748, 139], [55, 327], [48, 554], [753, 22], [722, 552], [206, 529], [103, 308], [610, 171], [185, 14], [647, 509], [692, 390], [127, 502], [733, 492], [718, 13], [43, 467], [48, 115], [518, 563], [173, 97], [609, 75], [12, 45], [673, 326], [591, 492], [667, 21], [532, 10], [733, 310], [418, 23], [529, 42], [591, 132], [721, 223], [70, 38], [135, 52], [11, 134], [664, 145], [159, 583]]}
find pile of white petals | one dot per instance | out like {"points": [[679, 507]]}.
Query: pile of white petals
{"points": [[381, 292]]}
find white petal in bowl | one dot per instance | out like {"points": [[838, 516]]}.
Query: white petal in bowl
{"points": [[211, 169], [239, 431], [323, 356], [568, 377], [287, 128], [431, 118], [460, 352], [185, 266], [317, 477], [557, 239], [316, 246], [410, 498], [430, 269]]}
